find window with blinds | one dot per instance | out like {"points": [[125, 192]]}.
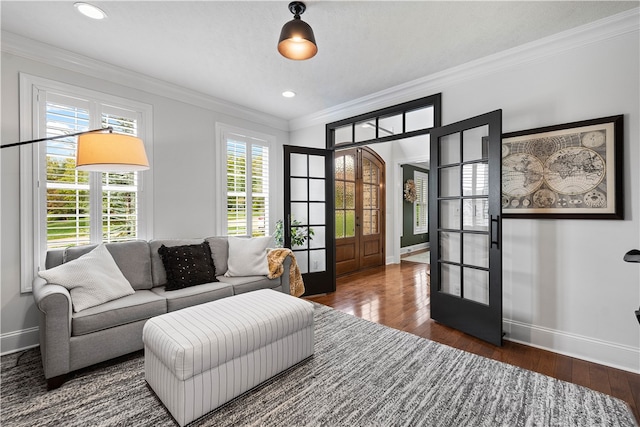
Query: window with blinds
{"points": [[247, 186], [67, 194], [119, 191], [421, 205], [83, 207]]}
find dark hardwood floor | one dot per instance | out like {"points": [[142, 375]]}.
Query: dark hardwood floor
{"points": [[398, 296]]}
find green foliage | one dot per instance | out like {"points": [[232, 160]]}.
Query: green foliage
{"points": [[68, 209], [299, 234]]}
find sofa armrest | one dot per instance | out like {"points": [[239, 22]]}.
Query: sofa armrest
{"points": [[285, 282], [54, 304]]}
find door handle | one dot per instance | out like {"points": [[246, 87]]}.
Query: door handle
{"points": [[495, 231]]}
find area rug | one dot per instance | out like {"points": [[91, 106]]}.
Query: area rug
{"points": [[362, 374]]}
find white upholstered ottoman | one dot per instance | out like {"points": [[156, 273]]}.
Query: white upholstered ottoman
{"points": [[201, 357]]}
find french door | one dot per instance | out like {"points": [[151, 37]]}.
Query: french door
{"points": [[465, 226], [308, 215], [359, 209]]}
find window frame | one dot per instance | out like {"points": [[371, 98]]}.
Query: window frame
{"points": [[223, 133], [33, 232], [420, 201]]}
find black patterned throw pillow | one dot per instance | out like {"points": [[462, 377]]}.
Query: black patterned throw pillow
{"points": [[187, 265]]}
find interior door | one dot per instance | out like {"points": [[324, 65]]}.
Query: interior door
{"points": [[372, 222], [347, 241], [308, 213], [464, 200], [359, 209]]}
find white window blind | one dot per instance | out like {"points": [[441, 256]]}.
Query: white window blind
{"points": [[421, 205], [247, 186], [83, 207], [120, 190], [67, 190]]}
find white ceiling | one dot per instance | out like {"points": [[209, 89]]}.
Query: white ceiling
{"points": [[227, 49]]}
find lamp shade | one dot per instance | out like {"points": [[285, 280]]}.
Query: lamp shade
{"points": [[110, 152], [296, 38]]}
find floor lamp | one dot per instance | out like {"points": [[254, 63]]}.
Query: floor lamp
{"points": [[98, 151]]}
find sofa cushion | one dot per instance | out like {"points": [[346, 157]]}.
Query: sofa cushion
{"points": [[158, 274], [55, 257], [133, 259], [141, 305], [194, 295], [92, 279], [250, 283], [248, 256], [187, 265], [220, 252]]}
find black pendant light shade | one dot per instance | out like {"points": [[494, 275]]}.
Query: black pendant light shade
{"points": [[296, 38]]}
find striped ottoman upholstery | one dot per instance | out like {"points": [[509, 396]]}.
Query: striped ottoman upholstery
{"points": [[200, 357]]}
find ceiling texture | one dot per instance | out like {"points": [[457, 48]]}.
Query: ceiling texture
{"points": [[227, 49]]}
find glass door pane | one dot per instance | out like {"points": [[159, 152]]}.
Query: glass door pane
{"points": [[308, 226], [476, 250], [311, 189], [476, 285]]}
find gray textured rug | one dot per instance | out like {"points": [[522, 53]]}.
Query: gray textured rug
{"points": [[362, 374]]}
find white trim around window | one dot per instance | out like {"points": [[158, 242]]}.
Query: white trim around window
{"points": [[421, 205], [224, 132], [32, 186]]}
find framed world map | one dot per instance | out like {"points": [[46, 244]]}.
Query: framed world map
{"points": [[572, 170]]}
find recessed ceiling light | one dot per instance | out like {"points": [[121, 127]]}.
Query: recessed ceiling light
{"points": [[90, 10], [288, 94]]}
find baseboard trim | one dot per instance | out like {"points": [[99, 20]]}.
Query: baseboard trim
{"points": [[24, 339], [606, 353], [414, 248]]}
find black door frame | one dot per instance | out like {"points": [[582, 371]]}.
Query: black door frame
{"points": [[480, 320], [324, 281], [374, 117]]}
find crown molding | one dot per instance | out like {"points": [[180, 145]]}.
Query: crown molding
{"points": [[597, 31], [51, 55], [603, 29]]}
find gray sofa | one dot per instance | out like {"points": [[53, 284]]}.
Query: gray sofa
{"points": [[70, 341]]}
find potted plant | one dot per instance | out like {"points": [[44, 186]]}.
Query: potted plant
{"points": [[299, 235]]}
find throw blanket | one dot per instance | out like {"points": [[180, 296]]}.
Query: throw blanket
{"points": [[276, 259]]}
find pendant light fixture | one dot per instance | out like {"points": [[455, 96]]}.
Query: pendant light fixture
{"points": [[296, 38]]}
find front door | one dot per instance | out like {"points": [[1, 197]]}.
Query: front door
{"points": [[308, 223], [359, 209], [465, 230]]}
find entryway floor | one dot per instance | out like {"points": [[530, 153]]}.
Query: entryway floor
{"points": [[422, 257]]}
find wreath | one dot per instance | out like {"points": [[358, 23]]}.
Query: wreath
{"points": [[410, 191]]}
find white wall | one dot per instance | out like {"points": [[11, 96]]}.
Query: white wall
{"points": [[565, 285], [184, 160]]}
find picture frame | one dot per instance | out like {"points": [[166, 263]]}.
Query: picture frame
{"points": [[572, 171]]}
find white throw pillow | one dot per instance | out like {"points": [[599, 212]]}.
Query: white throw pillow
{"points": [[92, 279], [248, 256]]}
